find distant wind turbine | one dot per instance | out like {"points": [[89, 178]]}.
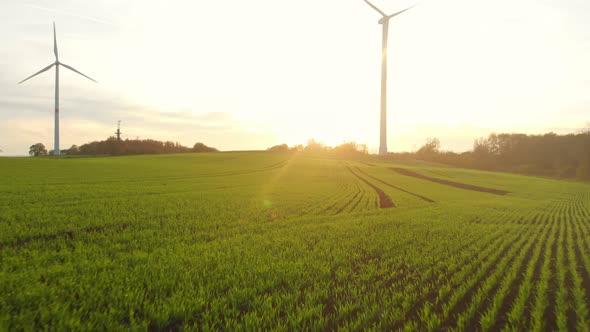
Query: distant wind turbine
{"points": [[385, 22], [56, 150]]}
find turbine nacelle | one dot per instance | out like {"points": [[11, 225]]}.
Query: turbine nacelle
{"points": [[385, 16]]}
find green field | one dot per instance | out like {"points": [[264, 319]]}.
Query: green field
{"points": [[280, 241]]}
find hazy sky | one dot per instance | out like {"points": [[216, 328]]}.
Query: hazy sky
{"points": [[251, 74]]}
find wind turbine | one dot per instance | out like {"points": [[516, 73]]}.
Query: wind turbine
{"points": [[385, 22], [56, 150]]}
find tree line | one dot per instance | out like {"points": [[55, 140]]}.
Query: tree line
{"points": [[350, 149], [112, 146], [564, 156]]}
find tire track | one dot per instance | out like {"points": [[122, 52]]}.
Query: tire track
{"points": [[460, 185], [395, 187], [338, 198], [385, 201]]}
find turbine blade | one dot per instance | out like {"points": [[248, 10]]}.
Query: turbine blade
{"points": [[72, 69], [39, 72], [54, 42], [377, 9], [392, 15]]}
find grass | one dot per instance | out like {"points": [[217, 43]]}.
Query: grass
{"points": [[279, 241]]}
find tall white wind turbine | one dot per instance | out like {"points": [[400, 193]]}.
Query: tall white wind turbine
{"points": [[56, 150], [385, 22]]}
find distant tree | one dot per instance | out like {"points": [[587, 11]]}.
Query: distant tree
{"points": [[351, 148], [37, 150], [112, 146], [347, 147], [74, 149], [583, 172], [432, 147], [169, 145], [280, 147], [200, 147], [298, 148], [550, 154], [313, 145], [481, 147], [362, 148]]}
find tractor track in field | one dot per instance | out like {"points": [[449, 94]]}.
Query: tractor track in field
{"points": [[359, 200], [440, 174], [67, 234], [396, 187], [341, 209], [335, 204], [173, 178], [460, 185], [385, 201], [349, 198], [279, 164], [264, 169], [62, 204], [319, 206]]}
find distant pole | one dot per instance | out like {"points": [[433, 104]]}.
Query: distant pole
{"points": [[118, 132]]}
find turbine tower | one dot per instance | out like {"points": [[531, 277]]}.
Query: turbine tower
{"points": [[385, 22], [56, 150]]}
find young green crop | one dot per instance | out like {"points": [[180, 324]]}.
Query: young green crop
{"points": [[286, 241]]}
